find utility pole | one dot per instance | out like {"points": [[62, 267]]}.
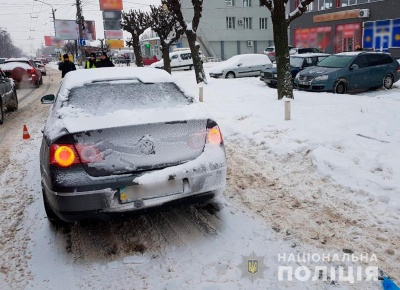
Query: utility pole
{"points": [[79, 20], [102, 44]]}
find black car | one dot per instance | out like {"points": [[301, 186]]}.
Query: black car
{"points": [[298, 62], [120, 140], [8, 95]]}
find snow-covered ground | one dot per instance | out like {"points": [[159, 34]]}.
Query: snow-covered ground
{"points": [[326, 182]]}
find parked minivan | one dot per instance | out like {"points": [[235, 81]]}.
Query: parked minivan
{"points": [[350, 71], [180, 60]]}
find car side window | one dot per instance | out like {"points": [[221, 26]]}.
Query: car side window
{"points": [[374, 59], [386, 59], [174, 57], [312, 61], [361, 61]]}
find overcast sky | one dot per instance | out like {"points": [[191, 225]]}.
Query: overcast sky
{"points": [[28, 21]]}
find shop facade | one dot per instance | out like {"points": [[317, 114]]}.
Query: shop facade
{"points": [[340, 25]]}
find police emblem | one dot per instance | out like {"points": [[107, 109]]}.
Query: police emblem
{"points": [[252, 267]]}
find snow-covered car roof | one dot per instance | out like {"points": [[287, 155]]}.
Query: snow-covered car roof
{"points": [[81, 77], [14, 64]]}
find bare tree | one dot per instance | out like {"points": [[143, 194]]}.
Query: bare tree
{"points": [[135, 22], [164, 24], [7, 47], [281, 21], [69, 47], [190, 30]]}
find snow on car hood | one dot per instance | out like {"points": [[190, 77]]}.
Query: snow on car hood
{"points": [[316, 70], [219, 68]]}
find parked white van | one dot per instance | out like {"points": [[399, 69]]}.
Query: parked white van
{"points": [[180, 60]]}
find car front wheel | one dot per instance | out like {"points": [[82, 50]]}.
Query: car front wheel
{"points": [[339, 87], [388, 82], [230, 75]]}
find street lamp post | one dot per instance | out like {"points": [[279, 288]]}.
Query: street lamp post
{"points": [[53, 12]]}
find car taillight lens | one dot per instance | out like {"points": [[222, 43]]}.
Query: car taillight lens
{"points": [[31, 70], [398, 69], [63, 155], [271, 53], [214, 136], [66, 155]]}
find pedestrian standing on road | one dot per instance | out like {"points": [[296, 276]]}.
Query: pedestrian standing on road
{"points": [[66, 66], [92, 62], [105, 61], [128, 60]]}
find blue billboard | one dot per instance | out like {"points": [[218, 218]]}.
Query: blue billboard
{"points": [[381, 34]]}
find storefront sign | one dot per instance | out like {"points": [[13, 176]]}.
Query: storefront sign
{"points": [[111, 5], [115, 44], [349, 14], [113, 34]]}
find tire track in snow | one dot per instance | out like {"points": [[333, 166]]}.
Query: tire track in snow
{"points": [[15, 193], [304, 207]]}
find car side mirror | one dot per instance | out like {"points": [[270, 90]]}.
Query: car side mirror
{"points": [[48, 99], [354, 66], [239, 64]]}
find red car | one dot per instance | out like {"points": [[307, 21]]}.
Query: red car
{"points": [[23, 70], [147, 60]]}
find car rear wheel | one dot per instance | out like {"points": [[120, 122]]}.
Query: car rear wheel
{"points": [[339, 87], [1, 112], [14, 102], [51, 215], [388, 82], [230, 75]]}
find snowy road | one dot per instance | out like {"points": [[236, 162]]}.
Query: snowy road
{"points": [[274, 203]]}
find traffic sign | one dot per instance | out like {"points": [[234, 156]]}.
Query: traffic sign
{"points": [[82, 42]]}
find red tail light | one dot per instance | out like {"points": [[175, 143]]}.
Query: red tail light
{"points": [[31, 71], [271, 53], [214, 136], [398, 69], [66, 155]]}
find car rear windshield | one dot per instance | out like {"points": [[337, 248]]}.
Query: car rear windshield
{"points": [[336, 61], [269, 49], [18, 61], [296, 61], [106, 97]]}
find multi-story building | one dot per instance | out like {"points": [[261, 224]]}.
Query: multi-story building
{"points": [[230, 27], [339, 25]]}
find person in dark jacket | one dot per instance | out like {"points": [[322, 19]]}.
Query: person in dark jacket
{"points": [[66, 66], [105, 61], [92, 62]]}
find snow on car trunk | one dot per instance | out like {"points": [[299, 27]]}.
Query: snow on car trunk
{"points": [[131, 126]]}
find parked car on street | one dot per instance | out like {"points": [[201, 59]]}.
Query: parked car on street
{"points": [[23, 70], [349, 71], [270, 51], [180, 60], [41, 66], [144, 144], [8, 95], [147, 60], [2, 60], [298, 62], [242, 65], [301, 50]]}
